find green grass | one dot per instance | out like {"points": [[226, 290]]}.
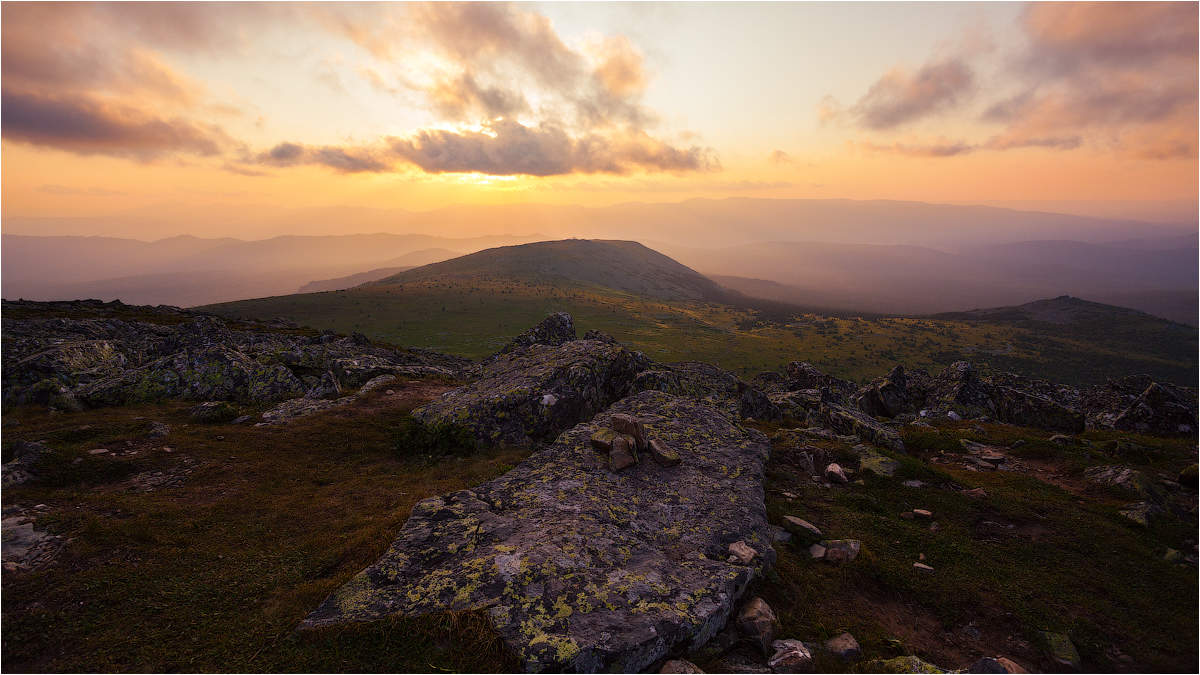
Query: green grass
{"points": [[215, 574], [474, 318], [1069, 564]]}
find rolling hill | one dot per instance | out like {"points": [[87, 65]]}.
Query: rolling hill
{"points": [[474, 304], [619, 265]]}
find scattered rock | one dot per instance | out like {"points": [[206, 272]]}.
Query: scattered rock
{"points": [[664, 454], [976, 493], [1141, 513], [632, 427], [802, 528], [922, 513], [841, 550], [23, 546], [680, 667], [999, 664], [158, 430], [922, 567], [791, 656], [741, 554], [1062, 439], [844, 646], [23, 466], [577, 567], [603, 439], [213, 412], [623, 454], [817, 552], [835, 474], [758, 623], [1061, 650]]}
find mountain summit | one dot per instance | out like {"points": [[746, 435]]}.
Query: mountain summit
{"points": [[621, 265]]}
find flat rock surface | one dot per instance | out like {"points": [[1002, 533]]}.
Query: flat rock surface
{"points": [[579, 568]]}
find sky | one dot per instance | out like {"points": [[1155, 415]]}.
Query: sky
{"points": [[221, 108]]}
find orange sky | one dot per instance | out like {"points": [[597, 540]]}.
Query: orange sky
{"points": [[136, 107]]}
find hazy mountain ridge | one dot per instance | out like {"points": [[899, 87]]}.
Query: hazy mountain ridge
{"points": [[618, 265]]}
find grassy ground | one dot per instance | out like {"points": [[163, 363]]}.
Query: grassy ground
{"points": [[214, 574], [475, 318], [1039, 553]]}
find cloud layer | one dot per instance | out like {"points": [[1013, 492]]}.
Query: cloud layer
{"points": [[1117, 77]]}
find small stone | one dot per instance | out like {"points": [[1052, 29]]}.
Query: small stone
{"points": [[603, 439], [976, 493], [549, 400], [998, 664], [741, 553], [632, 426], [913, 484], [679, 667], [623, 454], [1062, 439], [921, 557], [790, 495], [844, 646], [791, 656], [758, 622], [817, 552], [954, 416], [1061, 650], [835, 474], [159, 430], [390, 392], [802, 528], [241, 420], [922, 567], [97, 451], [842, 550], [922, 513], [664, 454]]}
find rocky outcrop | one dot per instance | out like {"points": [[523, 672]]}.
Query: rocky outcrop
{"points": [[886, 397], [580, 568], [1159, 409], [534, 393], [68, 362], [719, 388], [554, 330]]}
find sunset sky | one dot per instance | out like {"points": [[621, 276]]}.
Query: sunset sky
{"points": [[110, 109]]}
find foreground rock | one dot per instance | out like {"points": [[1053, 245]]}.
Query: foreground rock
{"points": [[168, 353], [533, 393], [582, 569]]}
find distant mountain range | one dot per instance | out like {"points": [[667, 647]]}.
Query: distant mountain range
{"points": [[873, 256]]}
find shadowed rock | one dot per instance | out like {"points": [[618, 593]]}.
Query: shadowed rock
{"points": [[716, 387], [534, 393], [554, 330], [581, 569]]}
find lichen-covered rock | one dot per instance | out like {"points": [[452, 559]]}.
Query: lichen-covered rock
{"points": [[581, 569], [716, 387], [848, 421], [554, 330], [1131, 480], [791, 656], [23, 466], [213, 411], [803, 375], [69, 362], [534, 393], [663, 453], [623, 454], [1027, 409], [1160, 409]]}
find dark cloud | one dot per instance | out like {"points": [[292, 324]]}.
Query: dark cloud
{"points": [[88, 126], [462, 98], [900, 97], [342, 160], [510, 148]]}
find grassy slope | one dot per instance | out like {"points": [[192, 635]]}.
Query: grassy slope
{"points": [[474, 317], [216, 573]]}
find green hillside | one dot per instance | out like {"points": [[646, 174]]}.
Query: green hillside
{"points": [[474, 304]]}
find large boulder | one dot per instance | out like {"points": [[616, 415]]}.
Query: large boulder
{"points": [[886, 397], [534, 393], [959, 386], [1027, 409], [851, 422], [712, 385], [582, 569], [1160, 409]]}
